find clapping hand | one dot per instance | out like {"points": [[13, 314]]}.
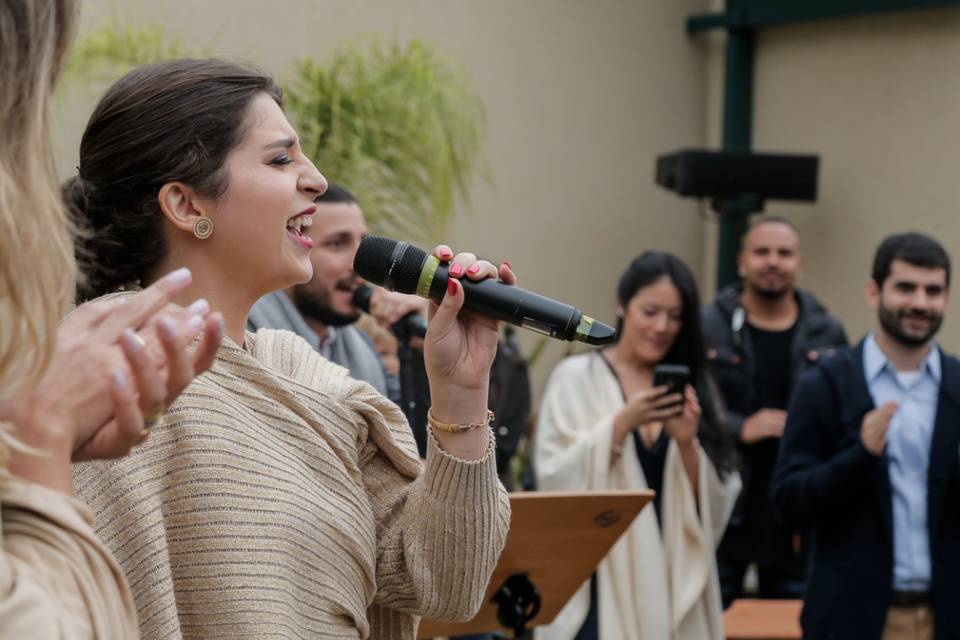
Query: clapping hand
{"points": [[117, 362]]}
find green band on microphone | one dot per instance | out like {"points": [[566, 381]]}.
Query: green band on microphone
{"points": [[583, 329], [426, 276], [594, 332]]}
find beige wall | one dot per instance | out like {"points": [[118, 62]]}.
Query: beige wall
{"points": [[580, 97], [879, 99]]}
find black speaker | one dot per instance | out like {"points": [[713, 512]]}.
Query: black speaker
{"points": [[729, 174]]}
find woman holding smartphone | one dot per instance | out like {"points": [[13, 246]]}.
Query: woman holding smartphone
{"points": [[604, 425]]}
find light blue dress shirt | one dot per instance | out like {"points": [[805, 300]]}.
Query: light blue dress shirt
{"points": [[908, 456]]}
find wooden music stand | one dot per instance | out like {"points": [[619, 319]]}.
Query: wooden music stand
{"points": [[555, 543], [763, 620]]}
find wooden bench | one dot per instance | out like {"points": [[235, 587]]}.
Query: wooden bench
{"points": [[763, 620]]}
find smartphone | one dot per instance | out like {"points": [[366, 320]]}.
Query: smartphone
{"points": [[675, 377]]}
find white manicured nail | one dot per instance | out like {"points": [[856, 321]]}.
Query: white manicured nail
{"points": [[180, 276], [199, 307], [167, 328], [120, 380]]}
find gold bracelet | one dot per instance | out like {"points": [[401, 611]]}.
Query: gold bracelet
{"points": [[457, 428]]}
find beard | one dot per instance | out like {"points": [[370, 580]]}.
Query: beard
{"points": [[315, 305], [892, 323], [770, 292]]}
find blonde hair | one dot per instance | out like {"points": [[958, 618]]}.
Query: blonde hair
{"points": [[37, 266]]}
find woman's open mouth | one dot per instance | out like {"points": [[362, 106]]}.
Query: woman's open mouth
{"points": [[296, 227]]}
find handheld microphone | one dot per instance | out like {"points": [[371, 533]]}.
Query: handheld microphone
{"points": [[399, 266], [412, 325]]}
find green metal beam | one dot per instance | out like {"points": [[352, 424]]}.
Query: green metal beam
{"points": [[737, 136], [742, 14], [741, 20]]}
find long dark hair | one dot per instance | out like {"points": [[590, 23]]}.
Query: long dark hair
{"points": [[688, 347], [176, 120]]}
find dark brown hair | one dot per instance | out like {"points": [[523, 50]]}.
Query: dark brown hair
{"points": [[914, 248], [687, 348], [174, 121]]}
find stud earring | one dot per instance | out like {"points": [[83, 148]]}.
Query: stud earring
{"points": [[203, 228]]}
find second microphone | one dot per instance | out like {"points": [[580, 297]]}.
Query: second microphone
{"points": [[412, 325]]}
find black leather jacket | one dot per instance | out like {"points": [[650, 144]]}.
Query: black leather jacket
{"points": [[730, 353], [730, 358]]}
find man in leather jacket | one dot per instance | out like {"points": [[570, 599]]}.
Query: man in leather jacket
{"points": [[760, 337]]}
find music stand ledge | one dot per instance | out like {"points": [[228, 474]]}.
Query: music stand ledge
{"points": [[556, 540]]}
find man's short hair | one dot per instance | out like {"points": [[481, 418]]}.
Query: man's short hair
{"points": [[762, 220], [336, 194], [917, 249], [771, 219]]}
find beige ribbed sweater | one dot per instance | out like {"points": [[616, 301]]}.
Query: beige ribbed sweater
{"points": [[282, 499]]}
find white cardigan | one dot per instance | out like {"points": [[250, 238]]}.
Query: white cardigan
{"points": [[650, 586]]}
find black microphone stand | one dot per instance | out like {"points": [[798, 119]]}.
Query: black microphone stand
{"points": [[518, 602], [409, 403], [408, 399]]}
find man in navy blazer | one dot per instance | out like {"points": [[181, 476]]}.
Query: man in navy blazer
{"points": [[869, 461]]}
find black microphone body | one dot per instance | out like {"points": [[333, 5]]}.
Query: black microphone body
{"points": [[412, 325], [511, 304], [399, 266]]}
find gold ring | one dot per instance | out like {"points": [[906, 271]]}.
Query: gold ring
{"points": [[150, 420]]}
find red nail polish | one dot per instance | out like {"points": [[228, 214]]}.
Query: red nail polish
{"points": [[473, 269], [507, 262], [451, 286], [446, 254], [456, 270]]}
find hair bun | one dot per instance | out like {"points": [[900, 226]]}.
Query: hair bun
{"points": [[75, 197]]}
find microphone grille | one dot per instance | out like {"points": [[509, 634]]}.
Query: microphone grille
{"points": [[361, 297], [389, 263]]}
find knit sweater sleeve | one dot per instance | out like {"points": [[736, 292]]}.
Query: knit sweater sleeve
{"points": [[440, 528]]}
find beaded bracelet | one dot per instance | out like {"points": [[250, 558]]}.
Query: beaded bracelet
{"points": [[457, 428]]}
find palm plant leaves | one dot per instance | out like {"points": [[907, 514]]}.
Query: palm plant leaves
{"points": [[112, 50], [399, 125]]}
